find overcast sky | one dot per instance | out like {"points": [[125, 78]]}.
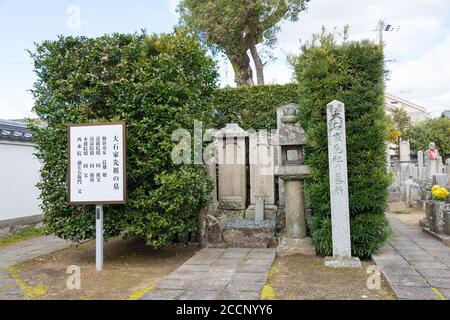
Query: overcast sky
{"points": [[418, 49]]}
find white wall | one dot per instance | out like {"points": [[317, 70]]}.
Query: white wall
{"points": [[19, 173]]}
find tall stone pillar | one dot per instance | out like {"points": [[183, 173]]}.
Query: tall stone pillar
{"points": [[340, 212], [295, 209]]}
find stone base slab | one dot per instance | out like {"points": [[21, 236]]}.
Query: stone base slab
{"points": [[441, 237], [249, 234], [295, 246], [352, 262]]}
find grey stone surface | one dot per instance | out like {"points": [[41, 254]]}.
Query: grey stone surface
{"points": [[15, 253], [241, 295], [162, 295], [415, 264], [415, 293], [293, 246], [200, 295], [337, 262], [337, 159], [235, 273]]}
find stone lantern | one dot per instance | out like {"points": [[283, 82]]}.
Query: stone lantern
{"points": [[291, 138]]}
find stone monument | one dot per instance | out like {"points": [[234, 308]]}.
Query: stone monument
{"points": [[232, 167], [340, 212], [292, 171], [405, 151], [431, 157]]}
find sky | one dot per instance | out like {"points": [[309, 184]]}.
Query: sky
{"points": [[418, 50]]}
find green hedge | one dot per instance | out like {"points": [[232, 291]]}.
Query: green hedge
{"points": [[252, 107], [354, 74], [156, 84]]}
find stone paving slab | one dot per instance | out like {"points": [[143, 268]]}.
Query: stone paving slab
{"points": [[217, 274], [26, 250], [416, 265]]}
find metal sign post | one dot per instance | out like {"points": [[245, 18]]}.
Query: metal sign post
{"points": [[99, 237], [97, 171]]}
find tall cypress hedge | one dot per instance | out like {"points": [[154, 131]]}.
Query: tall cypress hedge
{"points": [[156, 84], [352, 72], [252, 107]]}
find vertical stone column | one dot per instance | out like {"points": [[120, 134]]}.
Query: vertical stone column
{"points": [[280, 124], [340, 212], [447, 166], [420, 162], [405, 151], [295, 209]]}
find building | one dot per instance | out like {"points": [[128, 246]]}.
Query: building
{"points": [[19, 173], [446, 114], [416, 113]]}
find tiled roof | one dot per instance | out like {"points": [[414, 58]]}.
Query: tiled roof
{"points": [[14, 130]]}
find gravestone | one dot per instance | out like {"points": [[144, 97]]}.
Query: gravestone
{"points": [[405, 151], [232, 167], [420, 162], [262, 179], [447, 165], [280, 124], [340, 212]]}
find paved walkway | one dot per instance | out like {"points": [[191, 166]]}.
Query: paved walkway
{"points": [[416, 265], [19, 252], [217, 274]]}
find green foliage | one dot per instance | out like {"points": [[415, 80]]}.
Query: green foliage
{"points": [[433, 130], [255, 20], [21, 236], [399, 125], [351, 72], [368, 233], [155, 84], [234, 27], [253, 107]]}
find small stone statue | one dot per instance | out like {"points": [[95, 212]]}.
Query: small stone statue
{"points": [[432, 152]]}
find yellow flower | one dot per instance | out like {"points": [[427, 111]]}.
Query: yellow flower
{"points": [[439, 193]]}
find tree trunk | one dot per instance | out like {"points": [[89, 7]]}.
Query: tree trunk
{"points": [[258, 64], [243, 74]]}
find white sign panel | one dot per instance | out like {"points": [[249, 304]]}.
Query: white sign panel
{"points": [[97, 154]]}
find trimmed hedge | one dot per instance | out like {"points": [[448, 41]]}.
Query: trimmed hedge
{"points": [[252, 107], [156, 85], [354, 74]]}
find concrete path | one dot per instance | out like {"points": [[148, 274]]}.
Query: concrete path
{"points": [[416, 265], [217, 274], [26, 250]]}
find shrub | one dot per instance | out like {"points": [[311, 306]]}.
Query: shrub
{"points": [[432, 130], [156, 84], [368, 233], [351, 72], [252, 107]]}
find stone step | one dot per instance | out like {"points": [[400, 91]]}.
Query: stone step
{"points": [[239, 233]]}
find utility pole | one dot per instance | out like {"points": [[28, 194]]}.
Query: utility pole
{"points": [[380, 29]]}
